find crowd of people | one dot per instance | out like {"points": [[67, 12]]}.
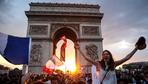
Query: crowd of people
{"points": [[123, 77], [132, 77], [12, 77], [58, 77]]}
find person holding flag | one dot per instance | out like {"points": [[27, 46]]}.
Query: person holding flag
{"points": [[63, 47]]}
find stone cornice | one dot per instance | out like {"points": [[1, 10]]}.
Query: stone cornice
{"points": [[65, 5], [47, 13]]}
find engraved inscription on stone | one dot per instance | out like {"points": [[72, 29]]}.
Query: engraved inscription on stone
{"points": [[35, 58], [91, 51], [90, 30], [38, 30]]}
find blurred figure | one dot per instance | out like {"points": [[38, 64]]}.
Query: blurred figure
{"points": [[145, 78], [63, 47]]}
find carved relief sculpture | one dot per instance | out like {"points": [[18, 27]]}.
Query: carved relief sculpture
{"points": [[38, 30], [35, 58], [90, 30], [91, 51]]}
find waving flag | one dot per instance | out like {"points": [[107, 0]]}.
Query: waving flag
{"points": [[15, 49], [49, 67], [56, 60], [62, 58], [51, 64]]}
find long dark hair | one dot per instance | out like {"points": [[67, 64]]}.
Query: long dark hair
{"points": [[110, 63]]}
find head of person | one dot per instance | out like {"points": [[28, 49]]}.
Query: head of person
{"points": [[63, 38], [146, 74], [108, 58]]}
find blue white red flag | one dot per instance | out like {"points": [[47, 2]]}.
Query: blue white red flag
{"points": [[15, 49], [51, 64]]}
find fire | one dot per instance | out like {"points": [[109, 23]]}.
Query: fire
{"points": [[69, 64]]}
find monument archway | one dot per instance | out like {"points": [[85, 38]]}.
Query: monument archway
{"points": [[63, 31], [70, 34], [47, 22]]}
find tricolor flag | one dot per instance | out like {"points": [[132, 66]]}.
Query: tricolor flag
{"points": [[15, 49], [56, 60], [49, 67], [51, 64]]}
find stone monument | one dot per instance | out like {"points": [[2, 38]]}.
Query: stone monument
{"points": [[47, 22]]}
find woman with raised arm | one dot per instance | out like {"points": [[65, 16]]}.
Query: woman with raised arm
{"points": [[106, 66]]}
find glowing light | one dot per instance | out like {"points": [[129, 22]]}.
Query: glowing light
{"points": [[123, 44], [69, 64]]}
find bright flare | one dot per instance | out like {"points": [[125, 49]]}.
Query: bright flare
{"points": [[69, 64]]}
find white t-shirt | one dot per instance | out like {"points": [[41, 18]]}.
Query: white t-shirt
{"points": [[110, 77], [97, 76]]}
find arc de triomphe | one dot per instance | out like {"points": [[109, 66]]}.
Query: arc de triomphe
{"points": [[47, 22]]}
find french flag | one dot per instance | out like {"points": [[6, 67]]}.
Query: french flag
{"points": [[14, 49]]}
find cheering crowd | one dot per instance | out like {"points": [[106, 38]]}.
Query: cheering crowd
{"points": [[58, 77]]}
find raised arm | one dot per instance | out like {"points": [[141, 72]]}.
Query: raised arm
{"points": [[88, 59], [126, 57], [140, 45]]}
